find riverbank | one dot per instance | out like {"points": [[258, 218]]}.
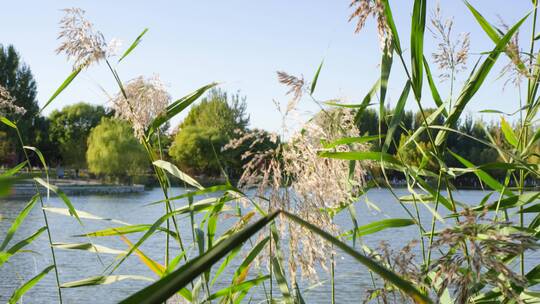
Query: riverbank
{"points": [[75, 187]]}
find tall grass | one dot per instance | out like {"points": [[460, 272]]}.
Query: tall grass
{"points": [[321, 172]]}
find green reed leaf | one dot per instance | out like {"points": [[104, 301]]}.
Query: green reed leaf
{"points": [[531, 209], [486, 26], [88, 247], [350, 140], [386, 68], [172, 169], [244, 286], [511, 202], [371, 264], [133, 45], [177, 107], [392, 25], [60, 194], [396, 117], [379, 226], [433, 87], [206, 190], [167, 286], [16, 296], [18, 221], [483, 176], [224, 265], [241, 271], [103, 280], [156, 225], [361, 155], [493, 34], [82, 215], [239, 225], [418, 27], [316, 78], [63, 86], [518, 161], [40, 156], [429, 120], [7, 122], [508, 133], [279, 275], [5, 255], [121, 230], [475, 82], [535, 138], [367, 100], [14, 170]]}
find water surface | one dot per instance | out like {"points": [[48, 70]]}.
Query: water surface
{"points": [[352, 279]]}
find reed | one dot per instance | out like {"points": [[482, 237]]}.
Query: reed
{"points": [[306, 176]]}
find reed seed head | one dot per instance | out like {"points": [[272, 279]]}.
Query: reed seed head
{"points": [[144, 100], [80, 42], [294, 178], [365, 8], [296, 87], [478, 250], [520, 64], [451, 54], [7, 104]]}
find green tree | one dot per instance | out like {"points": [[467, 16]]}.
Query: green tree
{"points": [[193, 149], [113, 150], [17, 78], [208, 126], [69, 129], [7, 151], [368, 122], [419, 121], [219, 110], [417, 154], [48, 147]]}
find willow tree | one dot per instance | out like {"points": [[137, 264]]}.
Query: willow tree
{"points": [[113, 151]]}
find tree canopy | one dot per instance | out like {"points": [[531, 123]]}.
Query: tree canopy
{"points": [[114, 151], [197, 150], [70, 127], [17, 78], [219, 110], [209, 125]]}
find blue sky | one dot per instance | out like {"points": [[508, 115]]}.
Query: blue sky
{"points": [[242, 44]]}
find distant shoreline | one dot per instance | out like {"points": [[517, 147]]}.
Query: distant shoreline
{"points": [[93, 187], [26, 190]]}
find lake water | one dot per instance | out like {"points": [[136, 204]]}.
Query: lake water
{"points": [[352, 279]]}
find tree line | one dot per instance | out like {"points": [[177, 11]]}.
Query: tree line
{"points": [[88, 137]]}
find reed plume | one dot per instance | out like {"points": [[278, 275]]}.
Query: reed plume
{"points": [[142, 100], [81, 42], [452, 53], [365, 8], [7, 104]]}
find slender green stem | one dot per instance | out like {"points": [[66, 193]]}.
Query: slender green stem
{"points": [[431, 235], [452, 78], [160, 176], [525, 127], [420, 231], [271, 265], [49, 236], [332, 273]]}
